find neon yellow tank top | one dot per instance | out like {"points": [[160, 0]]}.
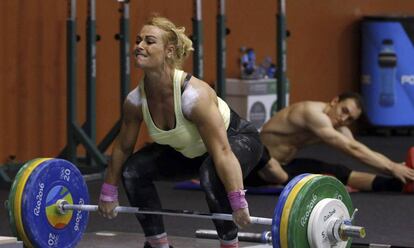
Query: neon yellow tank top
{"points": [[185, 137]]}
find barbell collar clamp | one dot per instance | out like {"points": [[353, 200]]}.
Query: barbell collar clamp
{"points": [[339, 230], [333, 231]]}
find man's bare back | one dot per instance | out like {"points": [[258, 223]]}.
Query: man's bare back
{"points": [[288, 131]]}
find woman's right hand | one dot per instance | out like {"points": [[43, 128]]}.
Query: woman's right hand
{"points": [[106, 209], [108, 200]]}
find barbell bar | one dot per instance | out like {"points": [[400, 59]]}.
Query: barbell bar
{"points": [[63, 206], [263, 237], [49, 204]]}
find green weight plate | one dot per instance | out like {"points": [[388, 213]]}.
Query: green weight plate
{"points": [[277, 215], [284, 223], [315, 190], [12, 194]]}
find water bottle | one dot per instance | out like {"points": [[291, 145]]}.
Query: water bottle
{"points": [[387, 61], [251, 61], [247, 62]]}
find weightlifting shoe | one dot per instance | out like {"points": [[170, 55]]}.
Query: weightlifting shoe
{"points": [[409, 162], [147, 245]]}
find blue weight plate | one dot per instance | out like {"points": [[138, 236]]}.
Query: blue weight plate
{"points": [[53, 180], [277, 215]]}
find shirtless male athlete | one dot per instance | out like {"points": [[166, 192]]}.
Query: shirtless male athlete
{"points": [[309, 122]]}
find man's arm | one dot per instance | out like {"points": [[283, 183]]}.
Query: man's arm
{"points": [[321, 126], [346, 131]]}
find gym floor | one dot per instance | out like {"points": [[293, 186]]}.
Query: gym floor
{"points": [[387, 217]]}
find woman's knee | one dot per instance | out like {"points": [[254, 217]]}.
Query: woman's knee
{"points": [[209, 180]]}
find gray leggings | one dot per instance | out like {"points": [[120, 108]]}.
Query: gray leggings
{"points": [[159, 162]]}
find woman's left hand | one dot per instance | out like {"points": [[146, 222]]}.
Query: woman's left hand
{"points": [[242, 217]]}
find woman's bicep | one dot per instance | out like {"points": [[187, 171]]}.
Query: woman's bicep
{"points": [[130, 125], [211, 127]]}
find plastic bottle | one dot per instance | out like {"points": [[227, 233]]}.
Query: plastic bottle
{"points": [[387, 61]]}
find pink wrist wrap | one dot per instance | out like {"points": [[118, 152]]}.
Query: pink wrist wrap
{"points": [[109, 193], [237, 199]]}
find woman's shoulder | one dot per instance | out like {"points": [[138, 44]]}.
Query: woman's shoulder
{"points": [[134, 97], [132, 108]]}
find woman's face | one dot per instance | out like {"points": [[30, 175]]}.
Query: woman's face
{"points": [[149, 48]]}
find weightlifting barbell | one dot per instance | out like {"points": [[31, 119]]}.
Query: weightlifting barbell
{"points": [[63, 206], [48, 207]]}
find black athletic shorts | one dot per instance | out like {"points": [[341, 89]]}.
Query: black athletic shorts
{"points": [[299, 166]]}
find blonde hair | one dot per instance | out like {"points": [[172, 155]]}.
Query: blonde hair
{"points": [[175, 36]]}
